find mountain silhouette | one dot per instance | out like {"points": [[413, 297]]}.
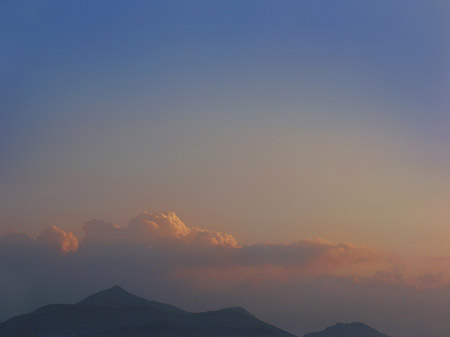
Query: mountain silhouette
{"points": [[119, 297], [356, 329], [117, 313]]}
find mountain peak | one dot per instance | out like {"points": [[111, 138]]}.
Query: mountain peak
{"points": [[238, 310], [347, 329], [116, 288], [117, 296], [116, 312], [114, 296]]}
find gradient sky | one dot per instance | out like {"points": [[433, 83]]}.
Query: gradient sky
{"points": [[274, 121]]}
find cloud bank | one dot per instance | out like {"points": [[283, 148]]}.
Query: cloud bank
{"points": [[147, 228], [157, 254]]}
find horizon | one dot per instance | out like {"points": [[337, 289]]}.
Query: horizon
{"points": [[291, 158]]}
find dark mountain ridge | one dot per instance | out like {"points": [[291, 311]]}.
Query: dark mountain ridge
{"points": [[116, 312], [355, 329], [119, 297]]}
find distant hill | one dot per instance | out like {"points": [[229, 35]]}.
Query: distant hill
{"points": [[347, 330], [119, 297], [117, 313]]}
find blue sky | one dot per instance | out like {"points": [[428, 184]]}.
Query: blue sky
{"points": [[162, 98]]}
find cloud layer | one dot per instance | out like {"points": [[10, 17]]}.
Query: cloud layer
{"points": [[147, 229], [161, 256]]}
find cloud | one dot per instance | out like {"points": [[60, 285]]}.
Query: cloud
{"points": [[154, 228], [307, 252], [212, 254], [14, 240], [281, 262], [50, 239], [101, 232], [158, 226], [200, 256], [56, 239], [160, 256]]}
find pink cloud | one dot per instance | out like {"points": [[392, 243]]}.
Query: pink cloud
{"points": [[199, 255], [56, 239], [181, 261], [154, 228]]}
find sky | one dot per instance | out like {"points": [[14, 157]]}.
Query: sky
{"points": [[306, 141]]}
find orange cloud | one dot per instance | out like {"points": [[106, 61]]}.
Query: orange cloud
{"points": [[153, 228], [158, 226], [281, 262], [57, 239], [181, 261], [201, 256], [51, 238]]}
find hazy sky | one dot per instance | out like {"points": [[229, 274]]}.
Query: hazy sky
{"points": [[274, 121]]}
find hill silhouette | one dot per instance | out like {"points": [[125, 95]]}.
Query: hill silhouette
{"points": [[115, 312], [119, 297], [356, 329], [118, 313]]}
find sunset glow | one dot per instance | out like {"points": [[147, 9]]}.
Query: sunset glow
{"points": [[289, 157]]}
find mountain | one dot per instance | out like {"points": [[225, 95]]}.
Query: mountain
{"points": [[117, 313], [347, 330], [119, 297]]}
